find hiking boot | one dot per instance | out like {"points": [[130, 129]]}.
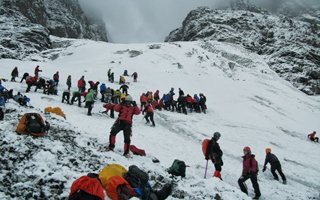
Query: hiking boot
{"points": [[108, 148], [284, 182], [256, 197], [127, 155]]}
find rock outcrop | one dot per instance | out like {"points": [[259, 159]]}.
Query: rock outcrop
{"points": [[290, 45]]}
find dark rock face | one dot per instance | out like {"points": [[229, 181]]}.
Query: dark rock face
{"points": [[289, 45], [19, 37], [63, 18], [26, 25]]}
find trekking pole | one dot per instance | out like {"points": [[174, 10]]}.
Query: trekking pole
{"points": [[205, 172]]}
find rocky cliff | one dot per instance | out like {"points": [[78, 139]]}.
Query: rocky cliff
{"points": [[29, 24], [290, 45]]}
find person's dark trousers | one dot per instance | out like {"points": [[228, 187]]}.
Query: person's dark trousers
{"points": [[1, 114], [115, 129], [76, 98], [254, 182], [277, 167], [150, 115], [89, 105], [65, 97], [112, 113], [29, 87]]}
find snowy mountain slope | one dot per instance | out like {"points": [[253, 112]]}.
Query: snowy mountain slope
{"points": [[247, 102]]}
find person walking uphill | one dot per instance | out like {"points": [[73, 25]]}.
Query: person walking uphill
{"points": [[149, 114], [275, 165], [127, 108], [214, 153], [14, 74], [250, 170]]}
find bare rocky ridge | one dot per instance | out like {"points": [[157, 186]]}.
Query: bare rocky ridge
{"points": [[26, 25], [290, 45]]}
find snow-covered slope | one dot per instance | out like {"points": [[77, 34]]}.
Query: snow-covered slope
{"points": [[247, 102]]}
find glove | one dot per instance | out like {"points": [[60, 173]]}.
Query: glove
{"points": [[134, 103], [207, 157], [264, 169]]}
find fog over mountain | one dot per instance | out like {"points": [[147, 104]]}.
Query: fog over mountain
{"points": [[131, 21]]}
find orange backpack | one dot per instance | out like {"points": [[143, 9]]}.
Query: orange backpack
{"points": [[118, 188], [86, 187]]}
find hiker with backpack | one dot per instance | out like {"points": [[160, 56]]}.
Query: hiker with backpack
{"points": [[143, 102], [103, 89], [214, 153], [30, 82], [69, 82], [312, 137], [249, 171], [90, 101], [275, 165], [149, 114], [127, 108], [82, 84], [202, 103], [14, 74], [55, 77]]}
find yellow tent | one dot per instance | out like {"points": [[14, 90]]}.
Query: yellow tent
{"points": [[55, 110]]}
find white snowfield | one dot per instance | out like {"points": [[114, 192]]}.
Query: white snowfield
{"points": [[247, 103]]}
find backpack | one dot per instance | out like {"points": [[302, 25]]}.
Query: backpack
{"points": [[178, 168], [205, 143], [111, 170], [87, 188], [32, 124], [118, 188], [138, 179], [135, 150]]}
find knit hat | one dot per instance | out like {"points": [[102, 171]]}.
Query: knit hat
{"points": [[216, 135], [247, 149]]}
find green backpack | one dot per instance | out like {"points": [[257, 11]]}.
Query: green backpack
{"points": [[178, 168]]}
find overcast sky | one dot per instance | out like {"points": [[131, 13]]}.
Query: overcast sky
{"points": [[130, 21], [135, 21]]}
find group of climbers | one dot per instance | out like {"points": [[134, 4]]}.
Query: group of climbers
{"points": [[123, 103], [212, 151], [122, 79]]}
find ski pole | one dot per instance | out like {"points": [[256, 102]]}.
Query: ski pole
{"points": [[205, 172]]}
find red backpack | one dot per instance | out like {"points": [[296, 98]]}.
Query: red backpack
{"points": [[205, 143], [87, 188]]}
